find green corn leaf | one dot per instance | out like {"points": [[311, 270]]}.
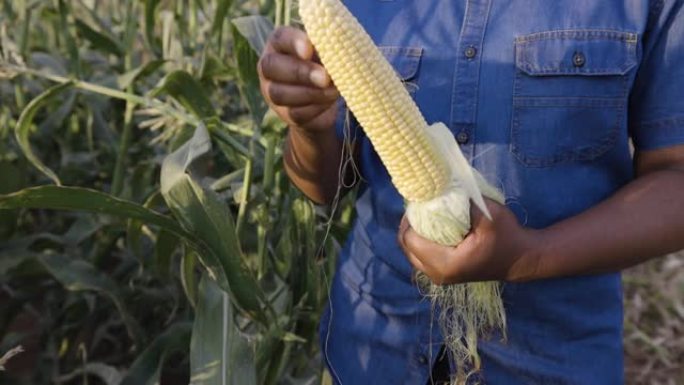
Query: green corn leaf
{"points": [[12, 179], [219, 353], [99, 40], [203, 214], [83, 199], [188, 92], [79, 275], [66, 27], [220, 16], [214, 69], [84, 227], [134, 227], [166, 244], [272, 356], [11, 260], [146, 370], [23, 128], [152, 41], [107, 373], [248, 77], [255, 30], [141, 72], [188, 276]]}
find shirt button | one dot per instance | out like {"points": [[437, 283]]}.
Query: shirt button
{"points": [[470, 52], [578, 59], [462, 137]]}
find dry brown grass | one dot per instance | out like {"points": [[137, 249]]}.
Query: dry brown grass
{"points": [[654, 322]]}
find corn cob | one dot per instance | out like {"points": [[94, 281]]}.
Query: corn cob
{"points": [[379, 101]]}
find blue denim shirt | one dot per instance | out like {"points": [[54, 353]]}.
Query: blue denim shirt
{"points": [[544, 98]]}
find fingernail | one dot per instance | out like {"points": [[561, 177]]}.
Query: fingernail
{"points": [[302, 49], [319, 78]]}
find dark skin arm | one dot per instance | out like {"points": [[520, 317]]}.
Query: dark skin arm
{"points": [[300, 91], [645, 219]]}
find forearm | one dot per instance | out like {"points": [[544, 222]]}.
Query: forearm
{"points": [[312, 162], [645, 219]]}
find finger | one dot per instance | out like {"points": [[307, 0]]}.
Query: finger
{"points": [[297, 96], [477, 217], [281, 68], [292, 41], [416, 263], [427, 251], [403, 228], [431, 258], [306, 114]]}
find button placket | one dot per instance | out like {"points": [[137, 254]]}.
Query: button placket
{"points": [[467, 74]]}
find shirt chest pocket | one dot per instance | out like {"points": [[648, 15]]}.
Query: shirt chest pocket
{"points": [[570, 94], [406, 62]]}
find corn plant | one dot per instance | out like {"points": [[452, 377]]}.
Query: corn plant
{"points": [[148, 233]]}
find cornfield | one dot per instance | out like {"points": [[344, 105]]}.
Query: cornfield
{"points": [[148, 232]]}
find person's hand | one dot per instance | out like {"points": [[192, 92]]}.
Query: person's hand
{"points": [[497, 250], [294, 85]]}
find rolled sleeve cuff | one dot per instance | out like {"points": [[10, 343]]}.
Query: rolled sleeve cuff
{"points": [[658, 134]]}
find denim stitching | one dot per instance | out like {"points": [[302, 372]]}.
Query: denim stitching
{"points": [[553, 71], [572, 102], [580, 34], [663, 123]]}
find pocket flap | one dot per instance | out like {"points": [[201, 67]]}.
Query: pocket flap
{"points": [[576, 52], [405, 60]]}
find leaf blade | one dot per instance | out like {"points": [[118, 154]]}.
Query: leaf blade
{"points": [[203, 214], [79, 275], [84, 199], [188, 92], [146, 370], [22, 130], [228, 360]]}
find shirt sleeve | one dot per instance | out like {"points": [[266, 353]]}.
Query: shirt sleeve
{"points": [[657, 99]]}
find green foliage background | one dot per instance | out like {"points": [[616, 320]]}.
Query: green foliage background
{"points": [[148, 233]]}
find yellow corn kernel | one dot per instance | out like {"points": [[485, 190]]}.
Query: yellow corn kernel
{"points": [[378, 99]]}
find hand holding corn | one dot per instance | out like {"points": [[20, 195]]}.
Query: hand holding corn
{"points": [[496, 250], [300, 91]]}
